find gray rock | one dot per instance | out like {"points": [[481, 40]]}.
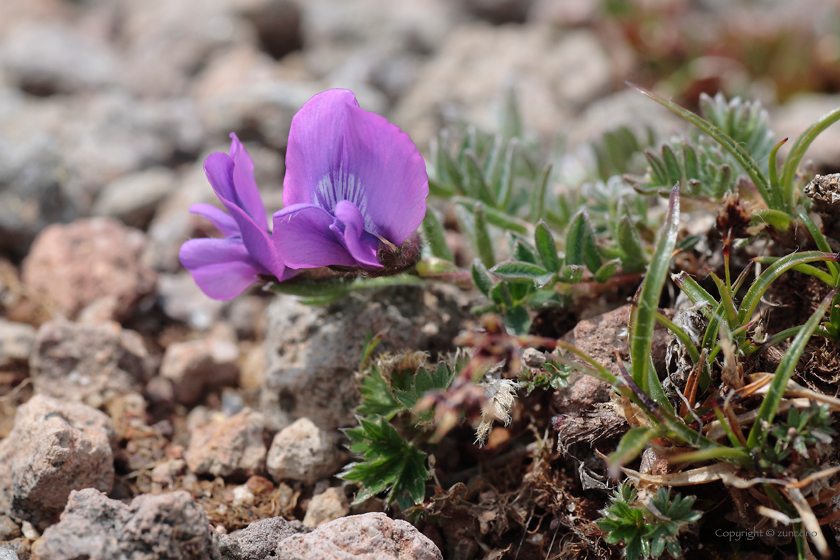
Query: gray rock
{"points": [[8, 529], [16, 340], [153, 527], [195, 366], [229, 446], [327, 506], [50, 57], [469, 76], [89, 363], [257, 541], [182, 300], [55, 447], [245, 89], [302, 452], [71, 266], [372, 536], [7, 554], [312, 352], [164, 43], [134, 198], [33, 188], [374, 43]]}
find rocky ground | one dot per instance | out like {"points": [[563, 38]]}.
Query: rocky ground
{"points": [[138, 418]]}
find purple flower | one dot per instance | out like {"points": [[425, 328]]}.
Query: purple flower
{"points": [[353, 181], [224, 268]]}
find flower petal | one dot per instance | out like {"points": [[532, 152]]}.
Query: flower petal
{"points": [[223, 221], [304, 239], [338, 151], [361, 244], [247, 193], [222, 268], [219, 169]]}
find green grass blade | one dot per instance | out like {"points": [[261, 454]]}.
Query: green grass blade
{"points": [[695, 292], [730, 145], [756, 291], [797, 152], [770, 404], [820, 240], [647, 302]]}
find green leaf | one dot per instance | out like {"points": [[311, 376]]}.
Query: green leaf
{"points": [[494, 216], [571, 274], [475, 179], [643, 314], [483, 244], [441, 190], [388, 462], [517, 320], [517, 271], [435, 237], [631, 245], [580, 243], [784, 372], [538, 199], [763, 282], [481, 277], [546, 248], [631, 445], [607, 270], [730, 145], [377, 398]]}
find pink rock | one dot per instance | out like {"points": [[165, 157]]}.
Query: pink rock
{"points": [[54, 448], [302, 452], [229, 447], [89, 363], [71, 266], [372, 536], [197, 365]]}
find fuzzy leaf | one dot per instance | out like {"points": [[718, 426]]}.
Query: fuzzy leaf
{"points": [[546, 248], [517, 271], [435, 237], [580, 243]]}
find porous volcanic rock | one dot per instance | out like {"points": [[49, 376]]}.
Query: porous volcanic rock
{"points": [[54, 448]]}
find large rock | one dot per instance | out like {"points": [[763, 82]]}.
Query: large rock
{"points": [[302, 452], [470, 75], [600, 338], [92, 363], [229, 446], [71, 266], [312, 352], [162, 527], [54, 448], [372, 536]]}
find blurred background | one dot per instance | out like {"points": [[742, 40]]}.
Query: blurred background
{"points": [[109, 107]]}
